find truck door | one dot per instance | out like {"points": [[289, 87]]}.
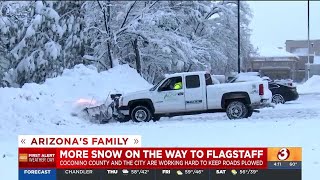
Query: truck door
{"points": [[170, 96], [194, 93]]}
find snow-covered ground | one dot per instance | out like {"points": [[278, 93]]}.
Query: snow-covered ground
{"points": [[47, 109]]}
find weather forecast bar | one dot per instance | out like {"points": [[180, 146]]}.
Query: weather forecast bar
{"points": [[183, 174]]}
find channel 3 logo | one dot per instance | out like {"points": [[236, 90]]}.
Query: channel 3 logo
{"points": [[283, 154]]}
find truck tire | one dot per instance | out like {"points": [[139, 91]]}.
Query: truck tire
{"points": [[141, 114], [237, 110], [249, 114]]}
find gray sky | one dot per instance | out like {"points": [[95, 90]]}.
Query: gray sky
{"points": [[274, 22]]}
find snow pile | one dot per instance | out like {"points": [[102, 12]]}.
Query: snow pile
{"points": [[312, 86], [48, 108], [53, 102]]}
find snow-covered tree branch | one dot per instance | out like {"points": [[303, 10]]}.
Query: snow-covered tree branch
{"points": [[41, 38]]}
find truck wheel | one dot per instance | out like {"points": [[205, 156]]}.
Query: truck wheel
{"points": [[237, 110], [141, 114]]}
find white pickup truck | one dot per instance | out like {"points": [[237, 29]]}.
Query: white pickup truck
{"points": [[198, 95]]}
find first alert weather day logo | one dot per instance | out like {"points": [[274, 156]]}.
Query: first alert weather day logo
{"points": [[23, 157]]}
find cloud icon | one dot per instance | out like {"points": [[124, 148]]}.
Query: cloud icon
{"points": [[125, 171], [179, 173]]}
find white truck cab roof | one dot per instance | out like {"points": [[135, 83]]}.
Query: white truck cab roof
{"points": [[187, 73]]}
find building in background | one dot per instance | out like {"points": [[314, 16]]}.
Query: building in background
{"points": [[300, 48], [288, 63], [276, 64]]}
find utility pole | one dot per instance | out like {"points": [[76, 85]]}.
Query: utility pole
{"points": [[239, 45], [308, 66]]}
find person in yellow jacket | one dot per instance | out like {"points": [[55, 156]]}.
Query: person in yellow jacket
{"points": [[177, 86]]}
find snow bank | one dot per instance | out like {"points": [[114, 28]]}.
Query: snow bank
{"points": [[312, 86], [47, 108], [51, 104]]}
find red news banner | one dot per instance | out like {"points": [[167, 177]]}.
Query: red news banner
{"points": [[162, 158], [109, 154]]}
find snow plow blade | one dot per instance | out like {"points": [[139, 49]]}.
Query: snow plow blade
{"points": [[98, 113], [104, 113]]}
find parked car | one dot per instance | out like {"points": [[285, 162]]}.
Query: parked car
{"points": [[287, 82], [196, 93], [282, 93], [282, 90]]}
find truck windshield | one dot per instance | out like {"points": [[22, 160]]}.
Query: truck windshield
{"points": [[155, 87]]}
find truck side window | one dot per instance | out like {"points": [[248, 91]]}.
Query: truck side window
{"points": [[192, 81], [208, 79], [174, 83]]}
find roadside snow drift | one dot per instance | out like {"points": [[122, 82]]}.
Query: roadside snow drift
{"points": [[311, 86], [52, 103], [47, 108]]}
